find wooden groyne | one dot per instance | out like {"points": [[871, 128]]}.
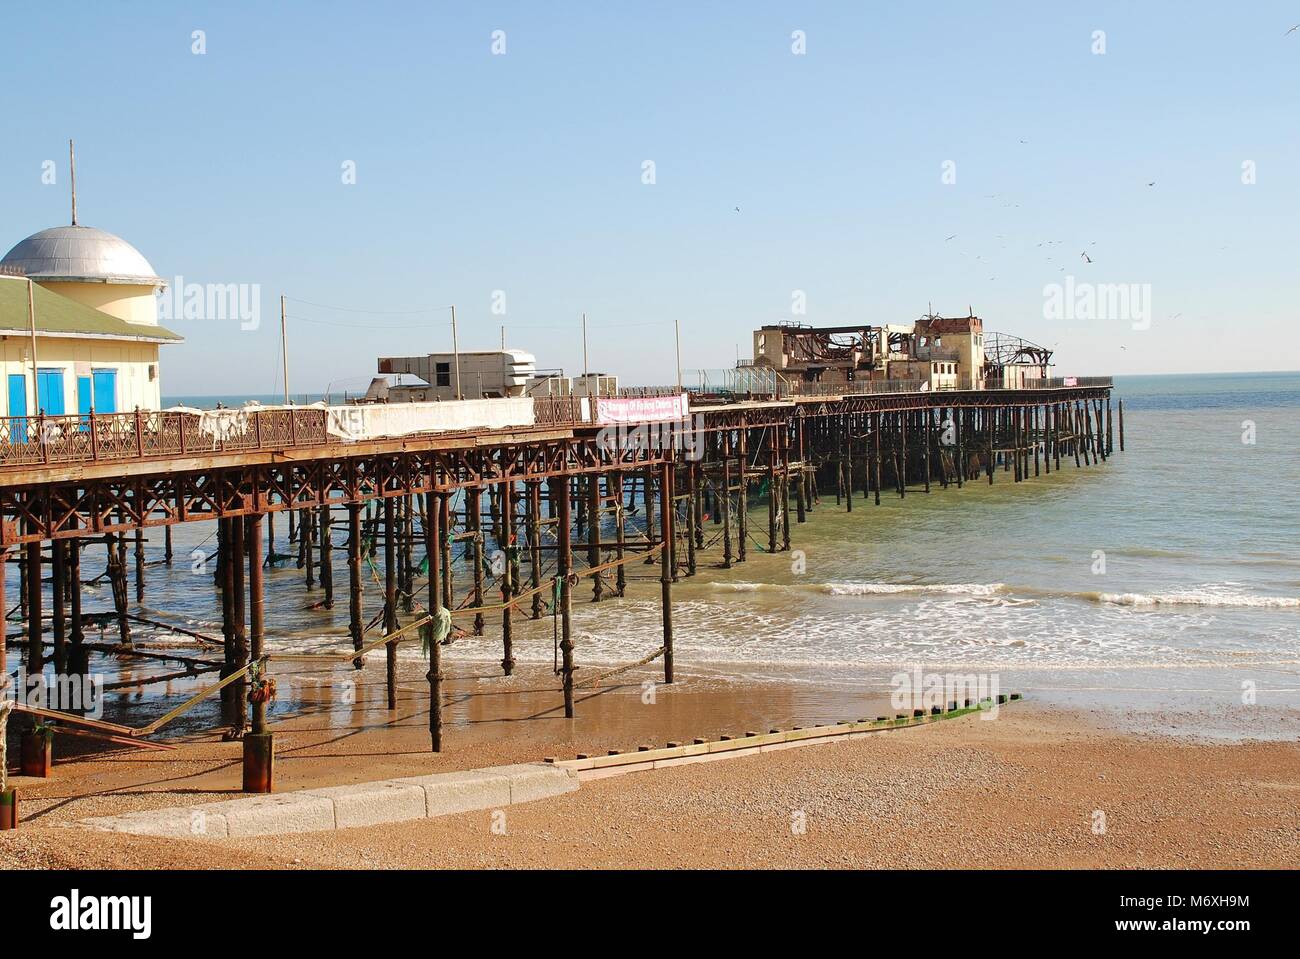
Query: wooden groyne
{"points": [[551, 512]]}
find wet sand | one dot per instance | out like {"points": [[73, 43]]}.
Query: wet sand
{"points": [[1018, 791]]}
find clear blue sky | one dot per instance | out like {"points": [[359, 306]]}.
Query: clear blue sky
{"points": [[522, 172]]}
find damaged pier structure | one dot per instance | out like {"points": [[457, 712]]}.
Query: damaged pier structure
{"points": [[553, 498]]}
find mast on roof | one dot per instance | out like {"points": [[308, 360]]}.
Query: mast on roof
{"points": [[72, 167]]}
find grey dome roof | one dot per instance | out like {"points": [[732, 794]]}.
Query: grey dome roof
{"points": [[79, 253]]}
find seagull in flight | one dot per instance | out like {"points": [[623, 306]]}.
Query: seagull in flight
{"points": [[737, 209], [947, 238], [1152, 183], [1292, 30], [1086, 257]]}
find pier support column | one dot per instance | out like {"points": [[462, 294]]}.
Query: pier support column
{"points": [[534, 488], [35, 620], [665, 576], [224, 580], [58, 580], [259, 753], [79, 661], [620, 533], [742, 495], [507, 576], [875, 431], [959, 440], [1012, 460], [326, 558], [801, 505], [990, 422], [930, 432], [390, 598], [356, 625], [405, 547], [801, 484], [771, 491], [560, 495], [238, 609], [902, 458], [432, 549], [514, 552], [22, 584], [785, 490], [444, 523], [307, 529], [474, 525], [593, 534], [1056, 436], [1075, 430], [648, 501], [1034, 435], [692, 518], [139, 565], [726, 500], [117, 583]]}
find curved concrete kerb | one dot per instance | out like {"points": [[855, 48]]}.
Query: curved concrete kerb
{"points": [[341, 807]]}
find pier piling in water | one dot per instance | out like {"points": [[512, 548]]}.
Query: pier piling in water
{"points": [[679, 509]]}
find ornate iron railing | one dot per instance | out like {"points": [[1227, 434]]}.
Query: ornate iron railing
{"points": [[855, 388], [147, 434], [156, 434]]}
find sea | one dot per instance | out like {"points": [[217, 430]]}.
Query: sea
{"points": [[1162, 586]]}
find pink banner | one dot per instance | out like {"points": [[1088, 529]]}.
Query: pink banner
{"points": [[641, 409]]}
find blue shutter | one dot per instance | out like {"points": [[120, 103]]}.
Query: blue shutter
{"points": [[17, 408], [49, 392], [105, 391]]}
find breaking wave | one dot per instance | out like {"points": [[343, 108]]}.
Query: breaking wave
{"points": [[872, 589], [1197, 598], [1211, 596]]}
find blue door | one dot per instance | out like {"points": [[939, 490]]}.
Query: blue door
{"points": [[49, 392], [18, 407], [84, 399], [105, 391]]}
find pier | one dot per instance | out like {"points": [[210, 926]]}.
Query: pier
{"points": [[552, 510]]}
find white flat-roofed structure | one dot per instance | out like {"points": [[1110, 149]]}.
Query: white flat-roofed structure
{"points": [[449, 376]]}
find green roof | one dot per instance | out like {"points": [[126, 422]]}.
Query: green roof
{"points": [[59, 316]]}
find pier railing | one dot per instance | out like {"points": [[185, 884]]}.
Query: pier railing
{"points": [[148, 434], [856, 388], [109, 437], [559, 410], [643, 391], [155, 434], [1065, 382]]}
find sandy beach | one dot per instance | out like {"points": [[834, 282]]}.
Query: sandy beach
{"points": [[1022, 790]]}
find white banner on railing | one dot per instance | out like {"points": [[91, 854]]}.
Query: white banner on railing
{"points": [[613, 410], [379, 420]]}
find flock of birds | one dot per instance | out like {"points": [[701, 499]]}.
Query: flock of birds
{"points": [[1049, 243]]}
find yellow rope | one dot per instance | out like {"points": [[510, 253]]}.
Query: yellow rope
{"points": [[346, 656], [621, 669]]}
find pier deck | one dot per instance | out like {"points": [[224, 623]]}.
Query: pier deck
{"points": [[565, 499]]}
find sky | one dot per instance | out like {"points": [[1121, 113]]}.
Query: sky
{"points": [[870, 161]]}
